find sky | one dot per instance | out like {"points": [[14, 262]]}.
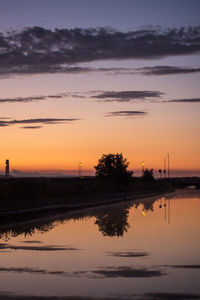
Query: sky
{"points": [[79, 79]]}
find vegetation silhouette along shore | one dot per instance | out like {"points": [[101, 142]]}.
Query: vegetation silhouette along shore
{"points": [[112, 182]]}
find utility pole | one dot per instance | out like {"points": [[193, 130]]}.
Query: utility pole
{"points": [[168, 165], [164, 171], [142, 164]]}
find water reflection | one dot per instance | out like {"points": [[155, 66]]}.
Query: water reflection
{"points": [[16, 229], [86, 259], [112, 220]]}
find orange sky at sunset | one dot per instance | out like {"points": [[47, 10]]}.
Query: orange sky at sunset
{"points": [[58, 107]]}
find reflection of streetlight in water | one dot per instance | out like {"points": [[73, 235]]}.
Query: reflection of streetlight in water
{"points": [[160, 206], [165, 205]]}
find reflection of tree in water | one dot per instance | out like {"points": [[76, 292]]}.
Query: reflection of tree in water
{"points": [[148, 205], [26, 230], [114, 221], [42, 226]]}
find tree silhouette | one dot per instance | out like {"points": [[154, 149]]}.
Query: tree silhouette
{"points": [[113, 167], [148, 174]]}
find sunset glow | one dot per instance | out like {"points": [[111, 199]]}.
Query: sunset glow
{"points": [[144, 105]]}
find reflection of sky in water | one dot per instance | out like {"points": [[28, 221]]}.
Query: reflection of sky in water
{"points": [[116, 250]]}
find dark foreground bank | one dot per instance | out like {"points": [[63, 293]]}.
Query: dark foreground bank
{"points": [[29, 195]]}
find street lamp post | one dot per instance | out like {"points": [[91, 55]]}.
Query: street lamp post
{"points": [[79, 169]]}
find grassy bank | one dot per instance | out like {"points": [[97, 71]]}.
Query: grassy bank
{"points": [[27, 193]]}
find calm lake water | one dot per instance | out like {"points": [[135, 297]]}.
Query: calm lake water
{"points": [[145, 249]]}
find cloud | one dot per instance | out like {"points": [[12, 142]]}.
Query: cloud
{"points": [[189, 100], [36, 121], [40, 50], [104, 96], [126, 96], [167, 70], [21, 99], [32, 98], [65, 69], [126, 113], [62, 69]]}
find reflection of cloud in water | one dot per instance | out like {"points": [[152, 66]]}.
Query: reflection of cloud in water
{"points": [[172, 296], [184, 266], [129, 254], [12, 296], [128, 272], [32, 270], [36, 248], [100, 273], [149, 296], [31, 242]]}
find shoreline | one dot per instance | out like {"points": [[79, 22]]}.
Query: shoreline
{"points": [[70, 207], [26, 198], [36, 219]]}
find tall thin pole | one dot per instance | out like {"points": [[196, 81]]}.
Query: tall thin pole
{"points": [[142, 164], [168, 164], [165, 167]]}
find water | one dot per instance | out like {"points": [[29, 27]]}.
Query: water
{"points": [[143, 249]]}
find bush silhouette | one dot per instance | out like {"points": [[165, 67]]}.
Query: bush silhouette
{"points": [[148, 174]]}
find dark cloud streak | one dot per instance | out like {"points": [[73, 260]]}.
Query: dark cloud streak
{"points": [[127, 113], [167, 70], [40, 50], [37, 121], [32, 98], [189, 100], [126, 96]]}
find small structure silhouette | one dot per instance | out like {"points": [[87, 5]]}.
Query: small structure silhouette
{"points": [[7, 172]]}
